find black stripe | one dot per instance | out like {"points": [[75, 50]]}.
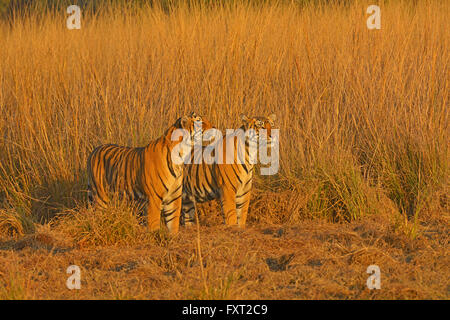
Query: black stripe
{"points": [[165, 214], [168, 220], [249, 180], [231, 183], [240, 196], [171, 201], [154, 191], [197, 178], [162, 182], [210, 186], [169, 163], [177, 189], [240, 205], [237, 175]]}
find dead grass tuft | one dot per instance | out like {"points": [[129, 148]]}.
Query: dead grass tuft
{"points": [[14, 224], [117, 225]]}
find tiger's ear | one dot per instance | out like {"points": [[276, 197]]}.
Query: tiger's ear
{"points": [[244, 117], [184, 121], [272, 118]]}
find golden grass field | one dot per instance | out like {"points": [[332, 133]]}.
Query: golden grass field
{"points": [[364, 150]]}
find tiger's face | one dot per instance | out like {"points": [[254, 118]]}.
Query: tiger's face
{"points": [[196, 125], [256, 125]]}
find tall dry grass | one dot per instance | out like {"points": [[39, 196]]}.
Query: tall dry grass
{"points": [[361, 112]]}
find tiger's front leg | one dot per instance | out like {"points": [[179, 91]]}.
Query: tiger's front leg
{"points": [[242, 210], [187, 210], [242, 203], [171, 209], [228, 203], [171, 214], [154, 212]]}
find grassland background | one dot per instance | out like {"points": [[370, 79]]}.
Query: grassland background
{"points": [[363, 114]]}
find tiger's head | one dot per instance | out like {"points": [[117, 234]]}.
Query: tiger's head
{"points": [[254, 126], [185, 134], [196, 125]]}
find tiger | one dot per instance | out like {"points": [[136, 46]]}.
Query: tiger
{"points": [[229, 183], [148, 175]]}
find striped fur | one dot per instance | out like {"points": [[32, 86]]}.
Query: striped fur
{"points": [[147, 175], [229, 183]]}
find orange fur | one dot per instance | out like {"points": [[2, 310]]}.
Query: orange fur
{"points": [[147, 175]]}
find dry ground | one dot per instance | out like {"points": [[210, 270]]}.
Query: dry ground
{"points": [[312, 259]]}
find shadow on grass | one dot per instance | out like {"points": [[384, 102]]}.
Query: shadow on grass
{"points": [[35, 242]]}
